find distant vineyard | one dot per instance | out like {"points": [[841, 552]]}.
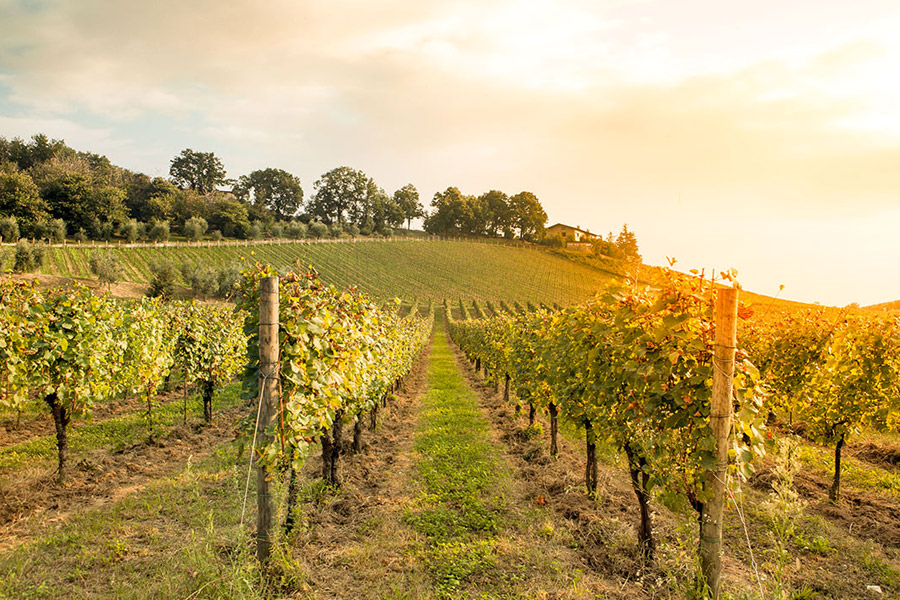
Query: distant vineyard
{"points": [[384, 269]]}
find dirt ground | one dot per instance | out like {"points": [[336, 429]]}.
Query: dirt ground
{"points": [[102, 478], [14, 430], [369, 507]]}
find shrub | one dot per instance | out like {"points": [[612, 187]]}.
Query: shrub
{"points": [[353, 231], [216, 236], [133, 229], [194, 228], [80, 235], [256, 231], [95, 228], [163, 275], [159, 231], [201, 279], [276, 230], [9, 229], [318, 229], [106, 267], [226, 278], [295, 230], [56, 231], [28, 257], [335, 230], [38, 230], [107, 230]]}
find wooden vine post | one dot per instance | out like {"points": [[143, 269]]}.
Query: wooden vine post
{"points": [[269, 370], [720, 421]]}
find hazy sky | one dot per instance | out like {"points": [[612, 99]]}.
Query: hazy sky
{"points": [[763, 135]]}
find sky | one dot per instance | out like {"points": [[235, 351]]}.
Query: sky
{"points": [[762, 136]]}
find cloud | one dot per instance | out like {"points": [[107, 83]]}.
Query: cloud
{"points": [[565, 98]]}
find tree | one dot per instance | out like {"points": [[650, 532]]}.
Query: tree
{"points": [[338, 192], [230, 217], [454, 213], [194, 228], [495, 212], [527, 216], [72, 198], [627, 245], [28, 154], [106, 267], [407, 199], [275, 189], [148, 199], [199, 171], [379, 212], [19, 197]]}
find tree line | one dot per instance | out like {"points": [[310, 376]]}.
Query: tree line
{"points": [[51, 191]]}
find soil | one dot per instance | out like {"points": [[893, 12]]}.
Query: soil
{"points": [[864, 515], [35, 426], [374, 492], [101, 478], [860, 513], [885, 455], [604, 529], [123, 289]]}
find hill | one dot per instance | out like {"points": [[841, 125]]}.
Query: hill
{"points": [[408, 269], [895, 305]]}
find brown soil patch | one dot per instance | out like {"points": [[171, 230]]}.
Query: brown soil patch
{"points": [[354, 544], [603, 531], [35, 426], [862, 514], [886, 455], [100, 478], [123, 289]]}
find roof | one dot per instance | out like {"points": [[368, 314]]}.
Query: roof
{"points": [[575, 228]]}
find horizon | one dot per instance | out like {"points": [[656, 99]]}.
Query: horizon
{"points": [[762, 138]]}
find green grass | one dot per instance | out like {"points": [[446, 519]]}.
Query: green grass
{"points": [[385, 269], [460, 510], [113, 434], [180, 537]]}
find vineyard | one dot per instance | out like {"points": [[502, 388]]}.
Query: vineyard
{"points": [[383, 269], [483, 437]]}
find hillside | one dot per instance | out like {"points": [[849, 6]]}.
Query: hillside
{"points": [[895, 305], [407, 269]]}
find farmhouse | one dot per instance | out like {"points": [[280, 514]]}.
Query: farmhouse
{"points": [[571, 234]]}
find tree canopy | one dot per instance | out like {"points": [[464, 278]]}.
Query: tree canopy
{"points": [[338, 191], [407, 200], [200, 171], [44, 182], [493, 214], [275, 189]]}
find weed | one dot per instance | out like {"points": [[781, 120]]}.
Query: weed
{"points": [[817, 544], [535, 430]]}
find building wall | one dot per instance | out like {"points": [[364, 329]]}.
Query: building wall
{"points": [[571, 234]]}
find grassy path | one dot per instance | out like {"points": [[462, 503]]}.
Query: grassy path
{"points": [[485, 536], [431, 509], [462, 507]]}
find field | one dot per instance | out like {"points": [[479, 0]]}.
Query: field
{"points": [[452, 492], [410, 270]]}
